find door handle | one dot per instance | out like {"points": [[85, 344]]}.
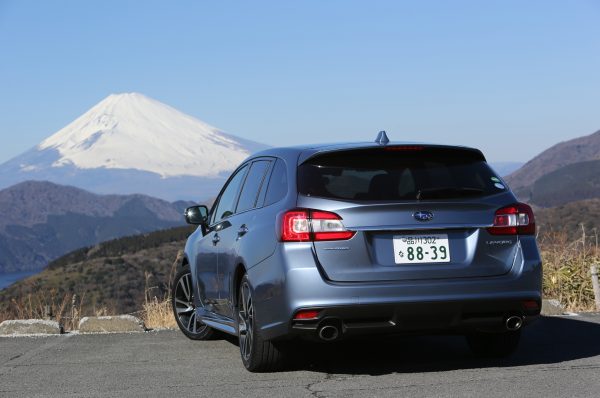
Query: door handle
{"points": [[242, 231], [216, 239]]}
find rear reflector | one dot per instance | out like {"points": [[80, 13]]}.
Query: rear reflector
{"points": [[302, 225], [530, 305], [516, 219], [306, 314]]}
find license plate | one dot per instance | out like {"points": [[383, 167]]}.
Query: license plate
{"points": [[418, 249]]}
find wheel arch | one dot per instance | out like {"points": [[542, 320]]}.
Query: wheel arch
{"points": [[182, 259], [240, 271]]}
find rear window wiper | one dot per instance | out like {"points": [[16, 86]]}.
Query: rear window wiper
{"points": [[448, 192]]}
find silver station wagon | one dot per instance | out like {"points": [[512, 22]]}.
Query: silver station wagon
{"points": [[332, 241]]}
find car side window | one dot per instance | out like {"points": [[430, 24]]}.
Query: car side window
{"points": [[278, 184], [226, 205], [252, 185]]}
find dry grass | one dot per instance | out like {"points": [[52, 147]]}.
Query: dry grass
{"points": [[567, 265], [62, 308], [66, 310], [158, 314], [4, 315]]}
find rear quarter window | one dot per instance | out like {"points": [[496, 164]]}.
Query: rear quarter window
{"points": [[278, 184]]}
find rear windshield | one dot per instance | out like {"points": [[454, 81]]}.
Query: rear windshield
{"points": [[398, 173]]}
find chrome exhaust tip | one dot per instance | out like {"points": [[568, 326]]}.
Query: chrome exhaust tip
{"points": [[329, 333], [513, 323]]}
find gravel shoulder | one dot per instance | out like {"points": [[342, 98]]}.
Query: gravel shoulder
{"points": [[559, 356]]}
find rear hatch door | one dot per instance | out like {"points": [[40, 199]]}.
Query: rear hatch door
{"points": [[417, 213]]}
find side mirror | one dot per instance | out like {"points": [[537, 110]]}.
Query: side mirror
{"points": [[196, 215]]}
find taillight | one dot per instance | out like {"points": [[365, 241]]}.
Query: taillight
{"points": [[515, 219], [295, 227], [313, 225]]}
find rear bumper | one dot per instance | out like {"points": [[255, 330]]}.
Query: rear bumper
{"points": [[420, 317], [290, 281]]}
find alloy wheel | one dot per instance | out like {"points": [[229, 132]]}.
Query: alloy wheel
{"points": [[184, 305]]}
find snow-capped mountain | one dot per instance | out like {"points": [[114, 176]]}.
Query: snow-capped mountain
{"points": [[129, 143]]}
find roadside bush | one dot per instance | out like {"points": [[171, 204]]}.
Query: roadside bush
{"points": [[567, 265]]}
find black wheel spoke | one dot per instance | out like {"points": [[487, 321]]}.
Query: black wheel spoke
{"points": [[245, 321], [244, 301], [192, 318], [188, 281], [184, 287]]}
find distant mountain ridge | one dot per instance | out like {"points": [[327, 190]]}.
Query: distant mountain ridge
{"points": [[40, 221], [130, 143], [506, 168], [560, 155], [572, 183]]}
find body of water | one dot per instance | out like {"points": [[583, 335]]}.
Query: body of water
{"points": [[12, 277]]}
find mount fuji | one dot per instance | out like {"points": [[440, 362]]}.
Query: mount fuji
{"points": [[129, 143]]}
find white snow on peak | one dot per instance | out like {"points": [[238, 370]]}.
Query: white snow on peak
{"points": [[132, 131]]}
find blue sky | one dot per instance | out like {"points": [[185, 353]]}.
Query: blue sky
{"points": [[509, 77]]}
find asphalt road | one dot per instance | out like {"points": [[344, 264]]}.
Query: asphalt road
{"points": [[559, 357]]}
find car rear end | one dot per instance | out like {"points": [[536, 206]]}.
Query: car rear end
{"points": [[403, 238]]}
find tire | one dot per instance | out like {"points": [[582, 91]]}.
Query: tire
{"points": [[258, 355], [494, 345], [184, 309]]}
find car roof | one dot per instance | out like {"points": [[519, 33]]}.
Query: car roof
{"points": [[305, 152]]}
